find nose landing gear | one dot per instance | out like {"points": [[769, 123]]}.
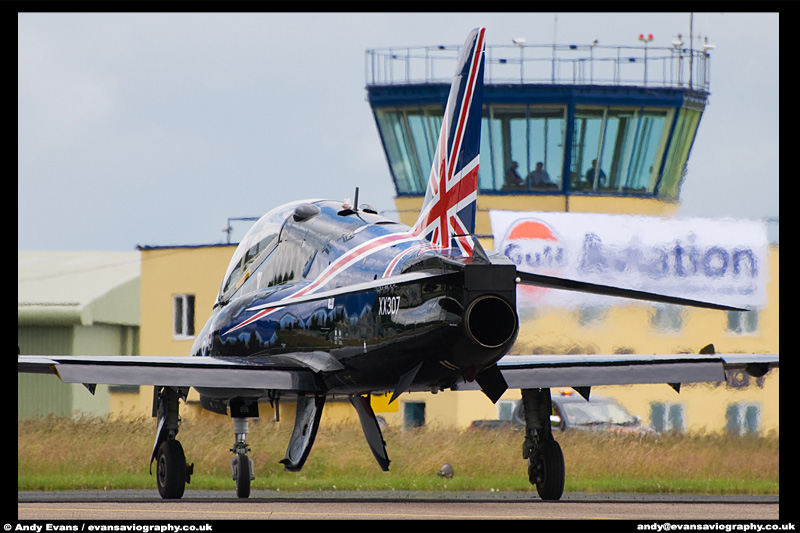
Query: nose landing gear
{"points": [[241, 465]]}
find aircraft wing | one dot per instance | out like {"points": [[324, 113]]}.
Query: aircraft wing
{"points": [[291, 372], [540, 280], [588, 370]]}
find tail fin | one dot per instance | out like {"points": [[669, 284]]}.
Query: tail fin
{"points": [[447, 217]]}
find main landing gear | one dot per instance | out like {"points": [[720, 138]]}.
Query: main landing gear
{"points": [[545, 460], [172, 472]]}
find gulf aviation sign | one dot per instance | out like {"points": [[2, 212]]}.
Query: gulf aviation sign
{"points": [[719, 260]]}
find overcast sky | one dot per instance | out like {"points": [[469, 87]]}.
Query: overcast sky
{"points": [[153, 129]]}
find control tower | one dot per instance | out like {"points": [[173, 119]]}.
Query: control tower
{"points": [[581, 128]]}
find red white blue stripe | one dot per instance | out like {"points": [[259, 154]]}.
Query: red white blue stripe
{"points": [[333, 270], [447, 218]]}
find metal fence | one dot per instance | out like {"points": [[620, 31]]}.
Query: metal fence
{"points": [[649, 66]]}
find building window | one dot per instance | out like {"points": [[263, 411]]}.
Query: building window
{"points": [[667, 417], [183, 316], [409, 136], [667, 318], [742, 419], [742, 322], [413, 415], [589, 316]]}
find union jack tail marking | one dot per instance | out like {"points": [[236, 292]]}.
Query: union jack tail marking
{"points": [[447, 218]]}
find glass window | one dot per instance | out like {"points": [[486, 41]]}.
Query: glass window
{"points": [[409, 137], [545, 147], [742, 322], [589, 316], [587, 136], [413, 415], [424, 126], [395, 140], [256, 245], [618, 143], [667, 318], [678, 153], [617, 150], [752, 417], [742, 419], [649, 146], [486, 172], [522, 148], [183, 316], [667, 417], [509, 151]]}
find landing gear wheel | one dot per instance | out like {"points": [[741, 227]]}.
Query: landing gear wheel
{"points": [[171, 470], [546, 470], [241, 474]]}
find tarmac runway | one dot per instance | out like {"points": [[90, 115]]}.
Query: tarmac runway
{"points": [[146, 505]]}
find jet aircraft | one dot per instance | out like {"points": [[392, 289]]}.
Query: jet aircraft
{"points": [[324, 297]]}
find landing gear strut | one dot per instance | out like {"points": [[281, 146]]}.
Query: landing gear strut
{"points": [[545, 459], [241, 464], [172, 472]]}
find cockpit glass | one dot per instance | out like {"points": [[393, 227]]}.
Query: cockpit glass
{"points": [[260, 239]]}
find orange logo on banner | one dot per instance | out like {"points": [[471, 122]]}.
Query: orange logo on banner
{"points": [[535, 245]]}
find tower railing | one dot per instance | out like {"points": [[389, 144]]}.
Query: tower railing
{"points": [[650, 66]]}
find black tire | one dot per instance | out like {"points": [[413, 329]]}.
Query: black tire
{"points": [[242, 475], [546, 470], [171, 470]]}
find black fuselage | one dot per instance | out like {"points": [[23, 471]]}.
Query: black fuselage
{"points": [[455, 323]]}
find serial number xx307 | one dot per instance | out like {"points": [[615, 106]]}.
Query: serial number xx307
{"points": [[388, 305]]}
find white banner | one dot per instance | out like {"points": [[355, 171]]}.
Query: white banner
{"points": [[716, 260]]}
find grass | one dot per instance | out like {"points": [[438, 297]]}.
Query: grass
{"points": [[98, 453]]}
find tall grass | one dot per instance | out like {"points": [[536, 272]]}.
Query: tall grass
{"points": [[99, 453]]}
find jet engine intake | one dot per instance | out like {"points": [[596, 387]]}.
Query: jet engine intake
{"points": [[490, 321]]}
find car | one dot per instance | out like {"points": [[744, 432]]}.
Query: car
{"points": [[572, 411]]}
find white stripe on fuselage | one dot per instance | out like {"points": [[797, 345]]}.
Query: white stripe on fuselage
{"points": [[341, 264]]}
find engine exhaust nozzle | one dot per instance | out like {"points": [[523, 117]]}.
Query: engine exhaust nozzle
{"points": [[490, 321]]}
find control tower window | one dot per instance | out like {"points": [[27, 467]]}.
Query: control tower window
{"points": [[586, 173], [409, 136], [522, 148], [618, 150], [678, 153]]}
